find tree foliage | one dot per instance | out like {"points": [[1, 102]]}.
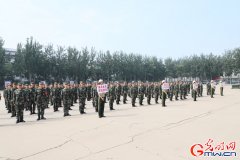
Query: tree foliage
{"points": [[37, 62]]}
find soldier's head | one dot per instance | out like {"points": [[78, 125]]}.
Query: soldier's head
{"points": [[9, 86], [67, 85], [41, 85], [26, 86], [55, 85], [19, 86], [14, 85], [100, 81]]}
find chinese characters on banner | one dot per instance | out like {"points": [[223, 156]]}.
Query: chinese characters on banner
{"points": [[165, 86], [102, 88]]}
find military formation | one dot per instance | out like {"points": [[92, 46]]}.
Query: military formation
{"points": [[35, 98]]}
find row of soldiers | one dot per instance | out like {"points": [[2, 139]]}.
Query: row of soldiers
{"points": [[29, 97]]}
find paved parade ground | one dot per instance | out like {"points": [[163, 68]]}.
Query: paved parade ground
{"points": [[149, 132]]}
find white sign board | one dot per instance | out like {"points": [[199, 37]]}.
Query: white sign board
{"points": [[165, 86], [102, 88], [6, 83]]}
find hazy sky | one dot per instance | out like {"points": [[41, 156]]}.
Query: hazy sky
{"points": [[163, 28]]}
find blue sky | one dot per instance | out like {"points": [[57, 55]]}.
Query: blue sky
{"points": [[162, 28]]}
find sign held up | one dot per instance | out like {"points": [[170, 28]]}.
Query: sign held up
{"points": [[103, 88]]}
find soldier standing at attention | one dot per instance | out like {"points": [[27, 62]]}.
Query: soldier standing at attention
{"points": [[118, 92], [101, 101], [125, 92], [194, 90], [212, 88], [221, 88], [18, 100], [7, 97], [140, 93], [75, 93], [164, 94], [94, 96], [82, 97], [32, 98], [176, 90], [134, 93], [111, 95], [171, 91], [160, 90], [88, 94], [56, 96], [149, 93], [12, 100], [156, 92], [47, 95], [66, 98], [41, 101], [27, 98]]}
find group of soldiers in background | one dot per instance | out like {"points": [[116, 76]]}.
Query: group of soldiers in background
{"points": [[19, 97]]}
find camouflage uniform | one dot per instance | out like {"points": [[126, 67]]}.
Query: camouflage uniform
{"points": [[118, 93], [156, 92], [111, 95], [18, 100], [82, 98], [141, 92], [149, 94], [125, 92], [94, 97], [66, 98], [41, 102]]}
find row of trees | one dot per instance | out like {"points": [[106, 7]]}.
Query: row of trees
{"points": [[38, 62]]}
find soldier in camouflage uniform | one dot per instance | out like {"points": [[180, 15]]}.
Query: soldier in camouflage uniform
{"points": [[141, 92], [56, 96], [156, 92], [75, 93], [72, 95], [176, 90], [32, 99], [66, 98], [94, 96], [160, 90], [41, 100], [82, 97], [18, 100], [111, 95], [148, 93], [12, 100], [7, 97], [134, 93], [47, 97], [171, 91], [27, 98], [181, 89], [50, 94], [212, 88], [164, 94], [118, 93], [88, 94], [125, 92]]}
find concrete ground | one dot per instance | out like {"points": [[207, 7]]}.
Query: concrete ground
{"points": [[149, 132]]}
